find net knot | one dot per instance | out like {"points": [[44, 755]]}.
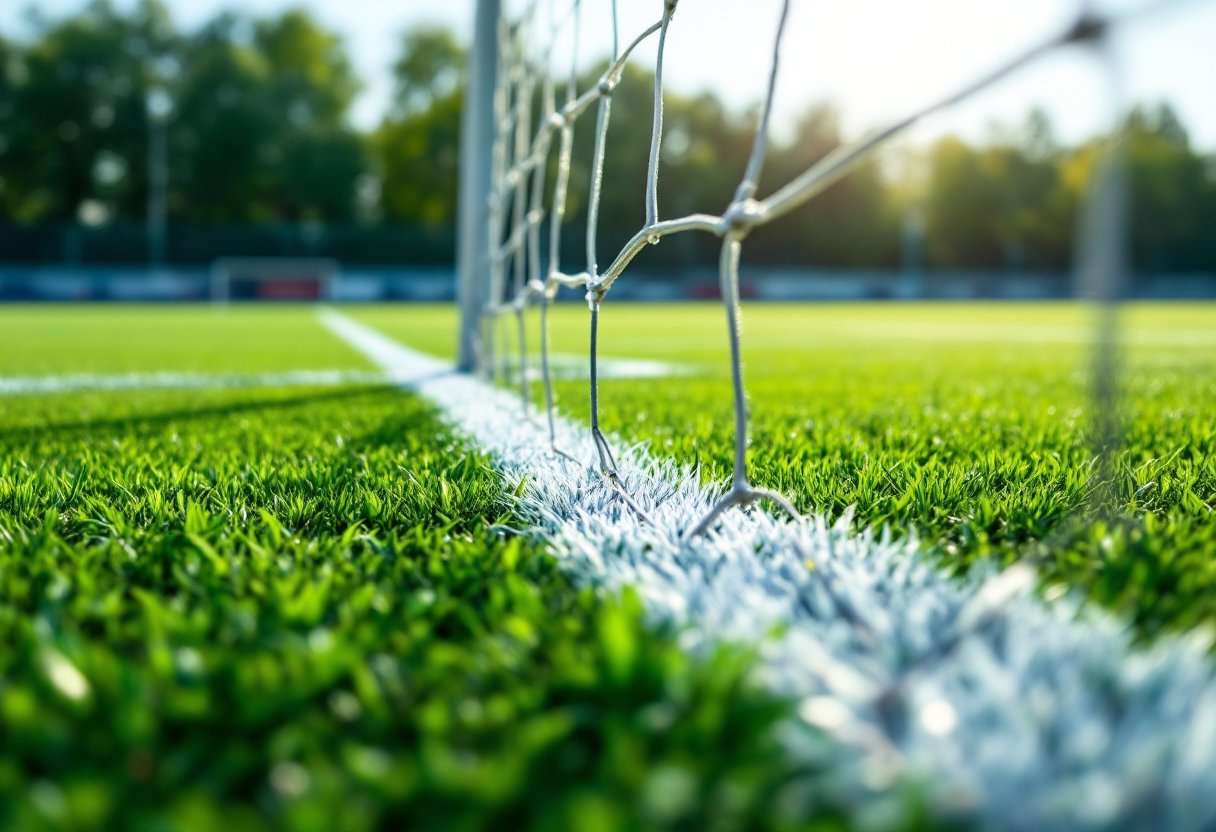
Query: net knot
{"points": [[741, 217], [595, 293], [557, 120], [605, 88]]}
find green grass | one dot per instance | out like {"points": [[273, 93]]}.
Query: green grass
{"points": [[51, 340], [967, 424], [286, 609]]}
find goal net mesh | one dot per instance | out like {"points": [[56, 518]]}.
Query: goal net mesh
{"points": [[537, 109]]}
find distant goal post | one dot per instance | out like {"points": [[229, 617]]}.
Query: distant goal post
{"points": [[274, 279]]}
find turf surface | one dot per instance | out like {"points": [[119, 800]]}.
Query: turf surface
{"points": [[255, 609], [289, 609], [967, 424], [60, 340]]}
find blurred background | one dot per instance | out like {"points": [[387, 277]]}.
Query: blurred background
{"points": [[147, 147]]}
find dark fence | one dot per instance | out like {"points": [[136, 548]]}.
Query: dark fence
{"points": [[193, 244], [72, 261]]}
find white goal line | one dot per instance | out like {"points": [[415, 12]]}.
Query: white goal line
{"points": [[565, 367]]}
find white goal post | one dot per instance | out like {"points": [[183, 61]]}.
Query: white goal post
{"points": [[274, 279], [476, 152]]}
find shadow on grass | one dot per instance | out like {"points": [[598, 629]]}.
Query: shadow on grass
{"points": [[146, 421]]}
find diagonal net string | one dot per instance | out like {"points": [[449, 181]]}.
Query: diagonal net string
{"points": [[529, 155], [742, 492], [607, 463], [523, 96], [561, 189]]}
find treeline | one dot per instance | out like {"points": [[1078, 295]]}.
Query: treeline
{"points": [[1008, 204], [255, 114]]}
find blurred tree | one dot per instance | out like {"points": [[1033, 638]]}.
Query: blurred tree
{"points": [[417, 147], [429, 69], [12, 71], [312, 82], [1037, 227], [962, 209], [1173, 195], [1014, 202], [260, 133], [76, 129], [1006, 205], [853, 223], [419, 158], [257, 129], [223, 143]]}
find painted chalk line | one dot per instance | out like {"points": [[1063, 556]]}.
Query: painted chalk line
{"points": [[82, 382], [568, 367]]}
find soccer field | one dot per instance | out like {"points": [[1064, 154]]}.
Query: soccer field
{"points": [[966, 423], [234, 599]]}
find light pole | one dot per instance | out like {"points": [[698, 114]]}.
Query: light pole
{"points": [[159, 106]]}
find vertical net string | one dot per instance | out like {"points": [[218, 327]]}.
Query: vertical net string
{"points": [[656, 131], [607, 463], [560, 192], [741, 491], [502, 96], [595, 297], [522, 124]]}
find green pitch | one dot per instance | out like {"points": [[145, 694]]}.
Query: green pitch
{"points": [[966, 424], [297, 609], [286, 609]]}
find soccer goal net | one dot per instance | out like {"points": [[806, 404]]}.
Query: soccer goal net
{"points": [[274, 279], [520, 135]]}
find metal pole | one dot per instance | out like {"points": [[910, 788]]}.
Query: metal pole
{"points": [[1102, 277], [158, 106], [476, 149]]}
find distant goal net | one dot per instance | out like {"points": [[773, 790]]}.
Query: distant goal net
{"points": [[298, 279]]}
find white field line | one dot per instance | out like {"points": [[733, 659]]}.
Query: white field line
{"points": [[837, 335], [1012, 712], [24, 385], [566, 366], [181, 380]]}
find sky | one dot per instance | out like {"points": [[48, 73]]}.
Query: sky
{"points": [[876, 59]]}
